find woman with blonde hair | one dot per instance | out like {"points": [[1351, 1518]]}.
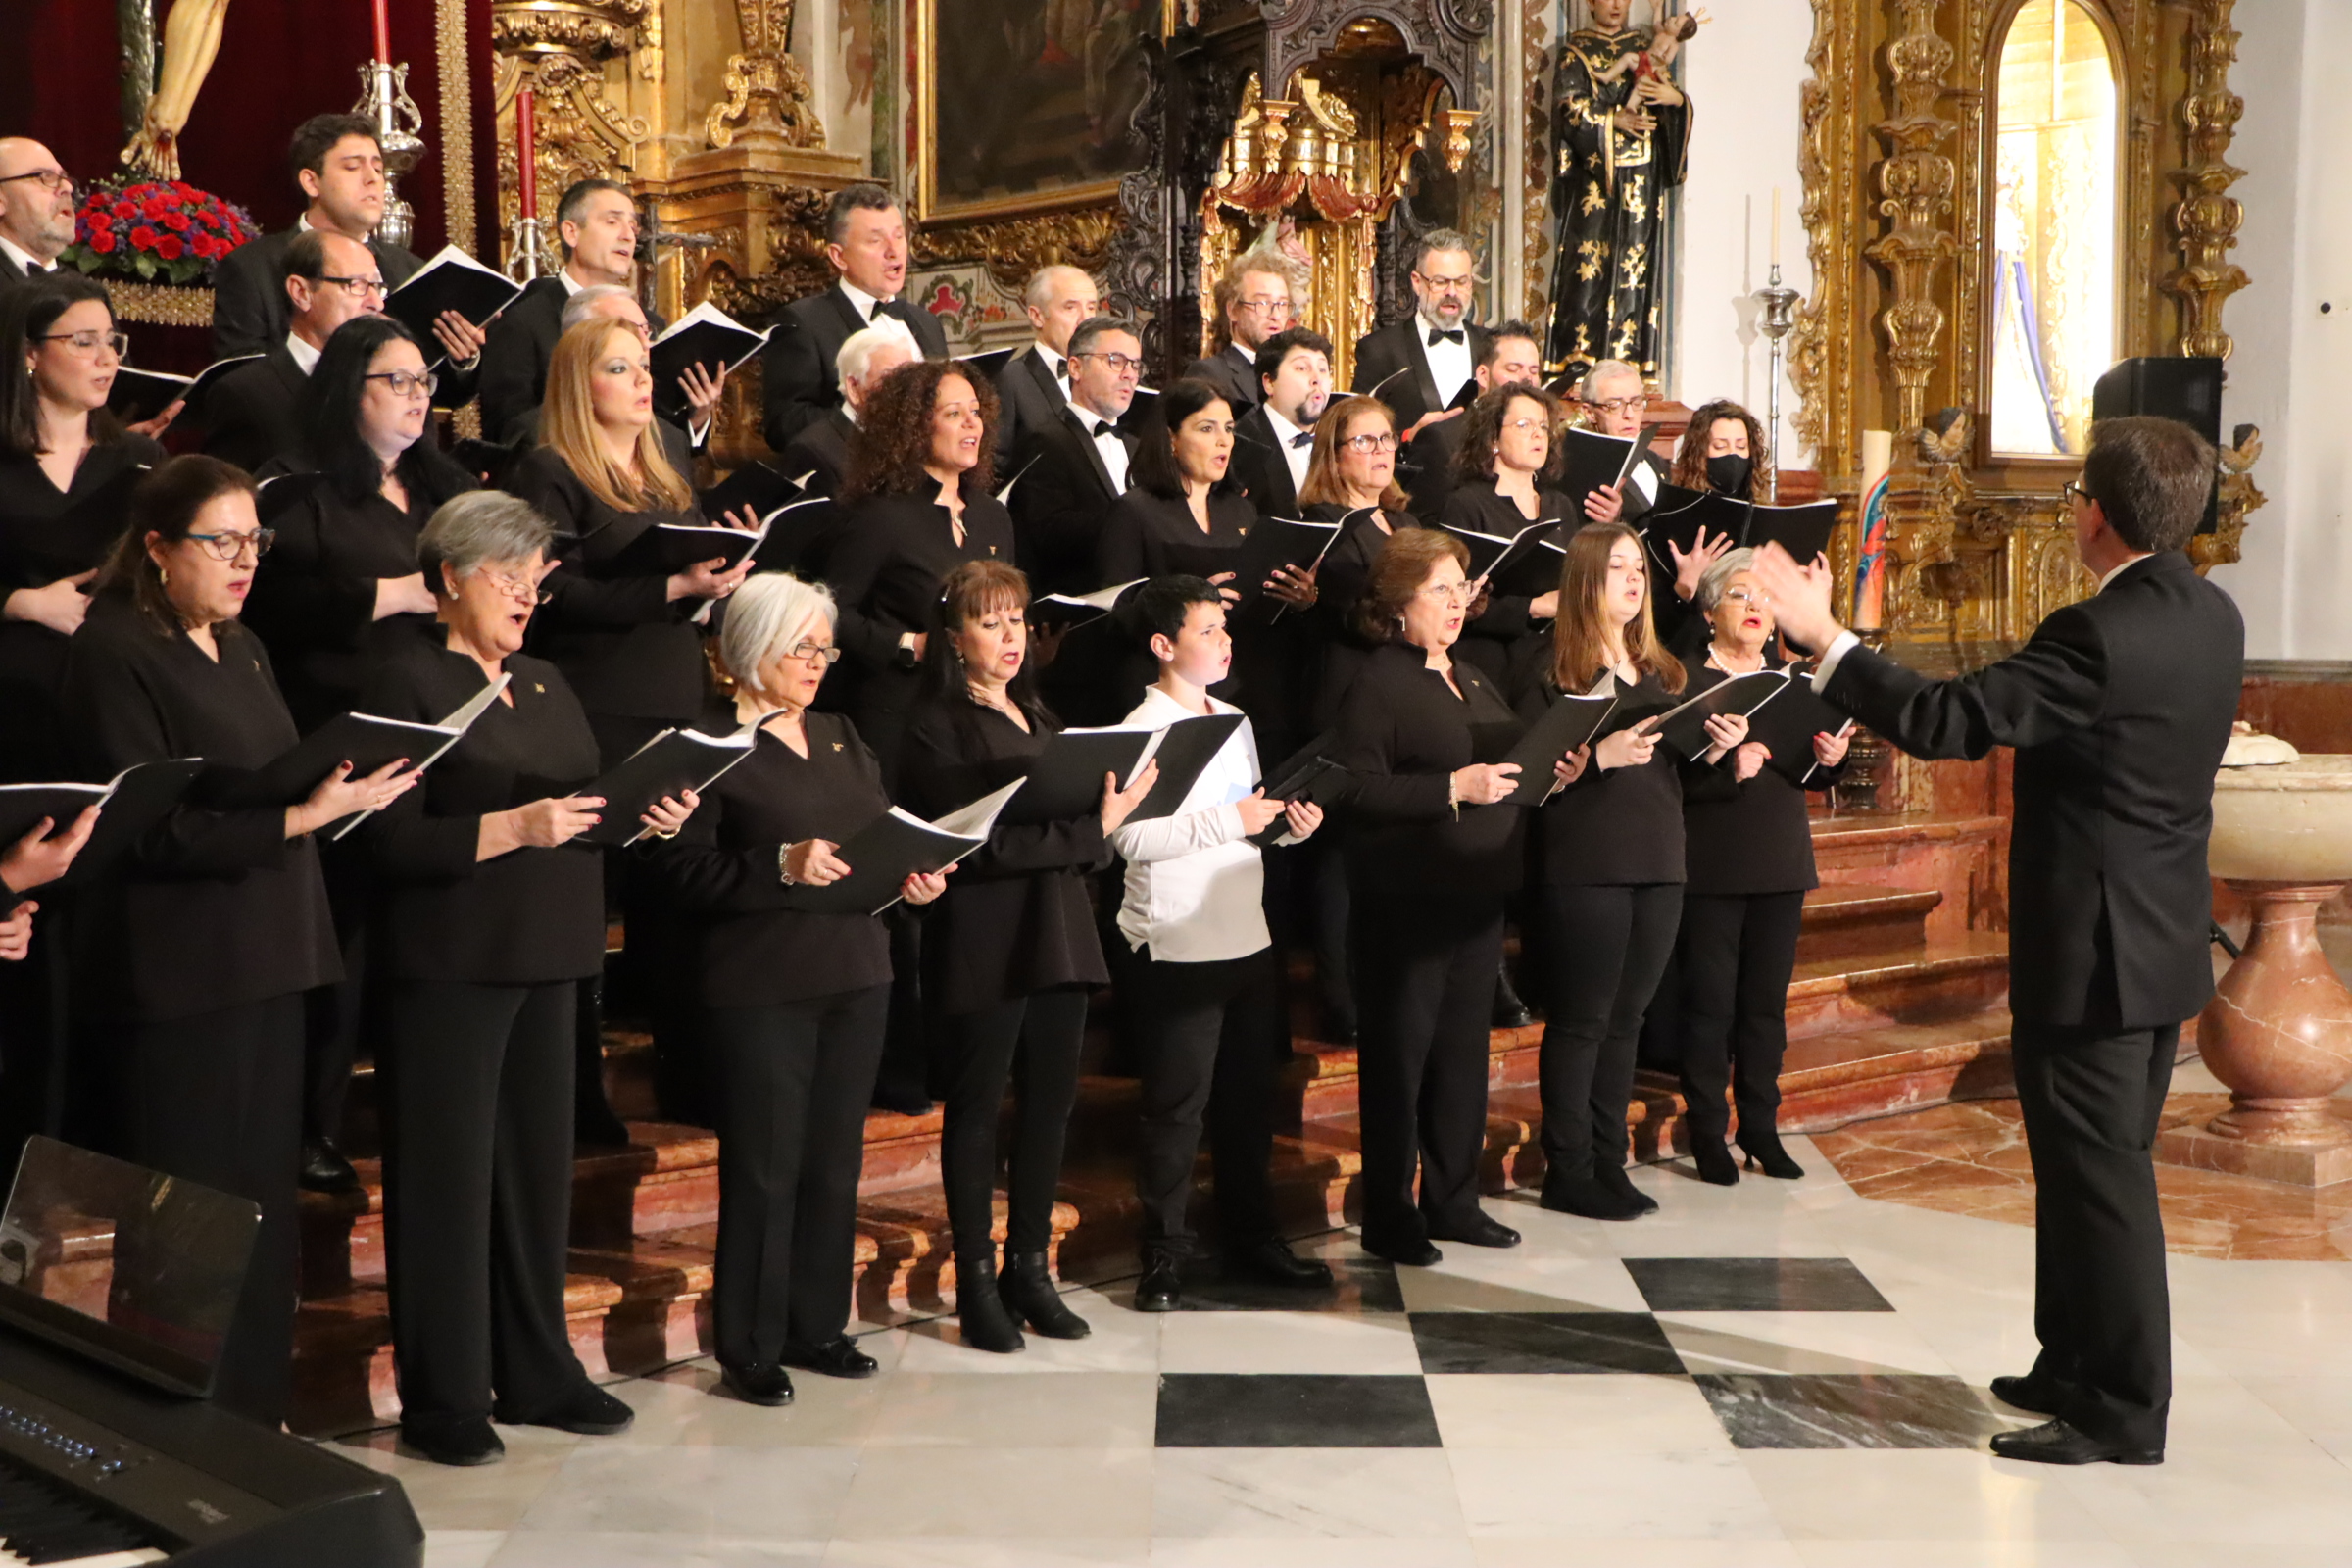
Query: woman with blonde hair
{"points": [[1610, 867]]}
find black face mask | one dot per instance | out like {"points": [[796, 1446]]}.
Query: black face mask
{"points": [[1728, 472]]}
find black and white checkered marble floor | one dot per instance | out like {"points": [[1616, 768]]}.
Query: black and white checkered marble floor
{"points": [[1775, 1374]]}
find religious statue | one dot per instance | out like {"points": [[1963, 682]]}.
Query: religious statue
{"points": [[191, 39], [1623, 133]]}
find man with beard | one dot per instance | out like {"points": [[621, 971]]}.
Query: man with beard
{"points": [[1272, 442], [1419, 365]]}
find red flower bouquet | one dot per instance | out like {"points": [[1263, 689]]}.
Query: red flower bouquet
{"points": [[161, 231]]}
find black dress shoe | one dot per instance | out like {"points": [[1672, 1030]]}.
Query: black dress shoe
{"points": [[1415, 1251], [1613, 1177], [836, 1358], [454, 1443], [2056, 1443], [324, 1169], [1765, 1154], [1586, 1198], [1509, 1011], [980, 1311], [588, 1410], [764, 1383], [2036, 1395], [1161, 1288], [1272, 1263], [1027, 1288], [1715, 1164], [1476, 1231]]}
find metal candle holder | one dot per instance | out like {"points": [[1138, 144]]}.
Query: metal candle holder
{"points": [[1780, 314], [384, 98], [530, 243]]}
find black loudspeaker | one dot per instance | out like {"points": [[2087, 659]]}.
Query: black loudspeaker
{"points": [[2174, 387]]}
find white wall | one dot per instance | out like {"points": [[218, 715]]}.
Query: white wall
{"points": [[2291, 372], [1743, 72]]}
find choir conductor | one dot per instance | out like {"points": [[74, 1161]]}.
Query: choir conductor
{"points": [[2119, 707]]}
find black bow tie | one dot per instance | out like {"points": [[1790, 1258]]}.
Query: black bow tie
{"points": [[1098, 432], [1061, 370], [1439, 334], [1304, 438]]}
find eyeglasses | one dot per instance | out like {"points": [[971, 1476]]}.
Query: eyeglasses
{"points": [[231, 546], [813, 652], [89, 340], [525, 589], [406, 383], [1449, 593], [1747, 595], [1382, 442], [1265, 305], [365, 287], [1120, 364], [1465, 280], [1618, 405], [2079, 494], [52, 179]]}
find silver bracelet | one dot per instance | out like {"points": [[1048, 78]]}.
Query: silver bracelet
{"points": [[783, 870]]}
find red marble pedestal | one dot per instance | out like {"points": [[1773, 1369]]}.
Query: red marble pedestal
{"points": [[2279, 1034]]}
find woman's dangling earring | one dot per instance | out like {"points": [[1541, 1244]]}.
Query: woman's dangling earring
{"points": [[163, 575]]}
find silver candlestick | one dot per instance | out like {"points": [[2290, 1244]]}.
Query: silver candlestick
{"points": [[384, 98], [1780, 314], [530, 246]]}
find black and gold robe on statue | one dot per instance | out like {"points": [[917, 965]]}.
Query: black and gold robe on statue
{"points": [[1608, 193]]}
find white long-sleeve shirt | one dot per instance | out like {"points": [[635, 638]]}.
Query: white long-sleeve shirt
{"points": [[1196, 885]]}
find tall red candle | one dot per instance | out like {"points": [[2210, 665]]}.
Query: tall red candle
{"points": [[383, 32], [526, 152]]}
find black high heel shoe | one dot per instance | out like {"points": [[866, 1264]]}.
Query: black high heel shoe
{"points": [[1713, 1158], [1765, 1154]]}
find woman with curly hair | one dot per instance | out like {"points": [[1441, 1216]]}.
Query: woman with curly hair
{"points": [[1723, 450], [1502, 472], [920, 500]]}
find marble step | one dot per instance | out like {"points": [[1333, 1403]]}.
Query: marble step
{"points": [[1943, 979], [1847, 919]]}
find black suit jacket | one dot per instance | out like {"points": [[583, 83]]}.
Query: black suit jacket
{"points": [[11, 272], [254, 413], [249, 291], [1031, 401], [1259, 465], [823, 451], [1234, 373], [2119, 707], [802, 385], [1060, 503], [1401, 351]]}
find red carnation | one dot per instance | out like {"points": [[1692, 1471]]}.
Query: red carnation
{"points": [[125, 210], [177, 223], [151, 208], [102, 242], [169, 247], [143, 237]]}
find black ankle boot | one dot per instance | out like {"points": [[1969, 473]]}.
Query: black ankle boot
{"points": [[980, 1311], [1611, 1174], [1027, 1291], [1510, 1012], [1713, 1159], [1765, 1154], [1586, 1198]]}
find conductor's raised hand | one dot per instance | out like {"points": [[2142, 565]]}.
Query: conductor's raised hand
{"points": [[1628, 748], [669, 813], [812, 863], [35, 859], [1799, 595], [1118, 805], [1484, 783], [922, 887]]}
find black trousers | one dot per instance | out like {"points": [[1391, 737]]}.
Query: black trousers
{"points": [[1335, 987], [333, 1015], [793, 1082], [217, 1098], [1032, 1043], [1426, 994], [478, 1197], [1734, 959], [1208, 1036], [1604, 948], [2091, 1100]]}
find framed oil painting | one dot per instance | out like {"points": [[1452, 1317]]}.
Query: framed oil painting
{"points": [[1037, 112]]}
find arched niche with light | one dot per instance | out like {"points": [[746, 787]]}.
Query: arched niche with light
{"points": [[2053, 251]]}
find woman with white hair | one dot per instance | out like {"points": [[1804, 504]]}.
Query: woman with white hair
{"points": [[1749, 847], [488, 914], [793, 1003]]}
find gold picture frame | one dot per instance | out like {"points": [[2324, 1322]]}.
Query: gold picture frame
{"points": [[1107, 94]]}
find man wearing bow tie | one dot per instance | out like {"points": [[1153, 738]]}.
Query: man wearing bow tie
{"points": [[1035, 383], [36, 210], [1419, 365], [1273, 442], [1080, 463], [865, 234]]}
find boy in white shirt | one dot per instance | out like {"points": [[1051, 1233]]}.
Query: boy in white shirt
{"points": [[1208, 975]]}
